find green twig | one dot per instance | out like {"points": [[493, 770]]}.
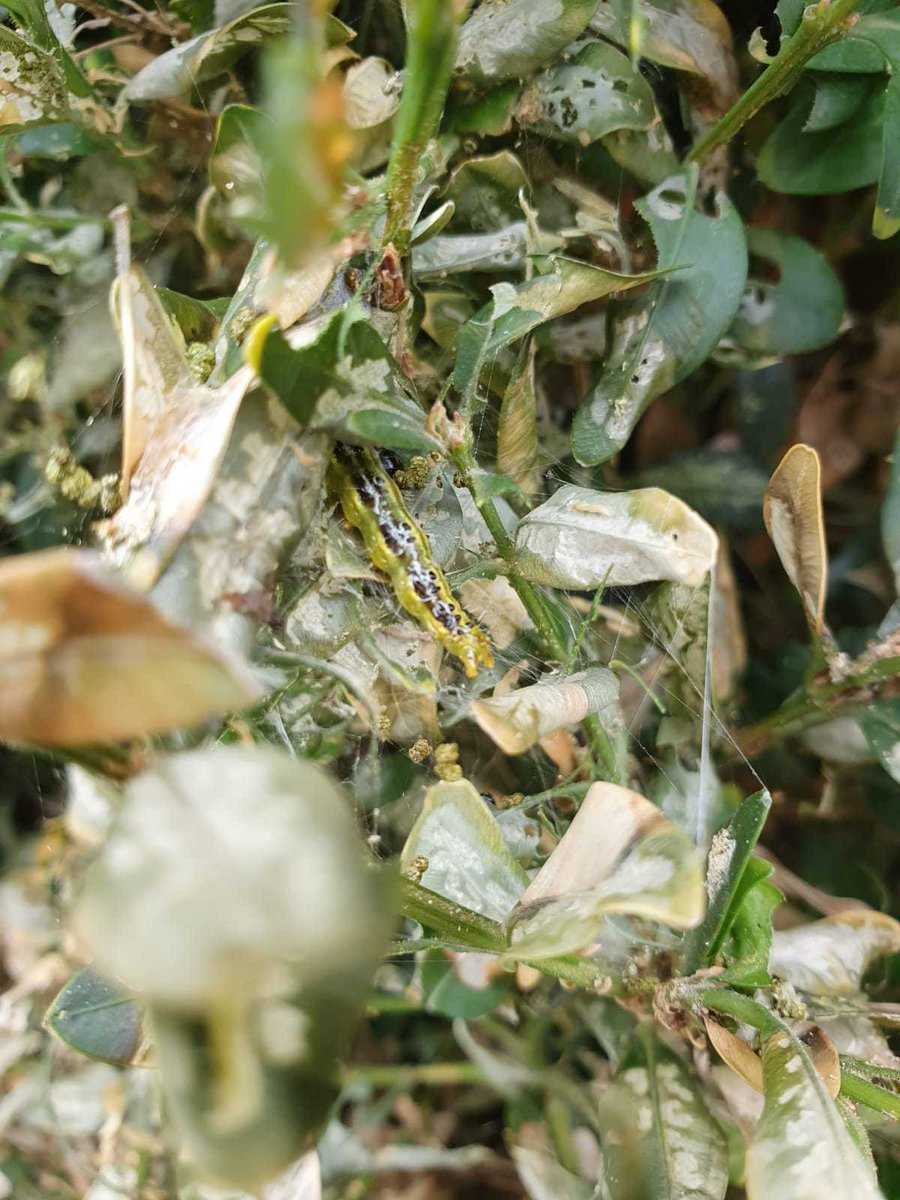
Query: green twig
{"points": [[863, 1091], [431, 49], [527, 592], [441, 1074], [453, 922], [821, 24], [819, 703]]}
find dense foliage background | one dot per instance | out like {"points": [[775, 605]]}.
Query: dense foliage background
{"points": [[448, 625]]}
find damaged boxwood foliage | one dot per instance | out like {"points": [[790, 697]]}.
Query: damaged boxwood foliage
{"points": [[448, 623]]}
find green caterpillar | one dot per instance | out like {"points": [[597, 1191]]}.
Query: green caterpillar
{"points": [[372, 504]]}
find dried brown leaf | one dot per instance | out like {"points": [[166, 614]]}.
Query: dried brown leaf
{"points": [[85, 659], [792, 510]]}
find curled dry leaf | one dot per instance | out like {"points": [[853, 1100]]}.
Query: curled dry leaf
{"points": [[830, 957], [496, 606], [825, 1058], [85, 659], [792, 510], [581, 538], [619, 855], [736, 1053], [518, 720], [176, 429]]}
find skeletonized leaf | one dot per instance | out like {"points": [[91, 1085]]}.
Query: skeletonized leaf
{"points": [[881, 726], [98, 1018], [801, 1149], [32, 87], [284, 878], [175, 473], [371, 93], [583, 98], [581, 539], [518, 720], [619, 855], [545, 1179], [207, 55], [154, 358], [687, 35], [468, 859], [508, 39], [792, 511], [830, 957], [662, 1143], [663, 336], [85, 659]]}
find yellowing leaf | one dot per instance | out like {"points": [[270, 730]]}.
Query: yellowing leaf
{"points": [[85, 659], [619, 855], [792, 510], [581, 538]]}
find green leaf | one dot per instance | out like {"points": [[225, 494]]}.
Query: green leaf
{"points": [[869, 46], [664, 337], [727, 880], [446, 993], [661, 1141], [619, 855], [98, 1018], [777, 318], [304, 148], [468, 859], [341, 379], [588, 96], [510, 39], [890, 516], [800, 1149], [886, 219], [749, 939], [881, 725], [828, 161], [837, 98]]}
